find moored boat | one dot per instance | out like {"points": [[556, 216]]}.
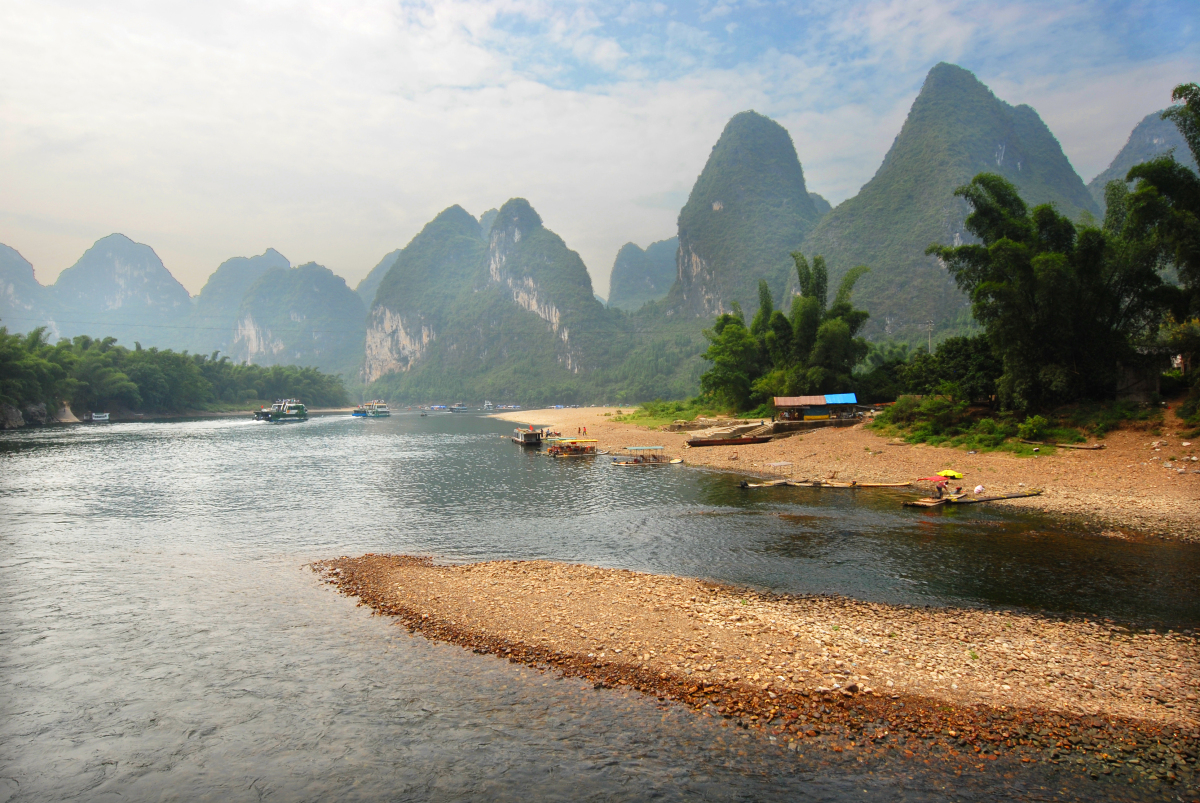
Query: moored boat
{"points": [[281, 411], [643, 456], [527, 437], [459, 407], [99, 418], [574, 447], [729, 441]]}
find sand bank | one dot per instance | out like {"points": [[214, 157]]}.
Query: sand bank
{"points": [[833, 670], [1134, 483]]}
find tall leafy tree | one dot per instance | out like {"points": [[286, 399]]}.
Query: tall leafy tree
{"points": [[1062, 307]]}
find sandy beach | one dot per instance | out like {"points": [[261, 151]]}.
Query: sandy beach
{"points": [[1138, 484], [825, 671]]}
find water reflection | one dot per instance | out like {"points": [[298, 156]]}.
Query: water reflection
{"points": [[160, 639]]}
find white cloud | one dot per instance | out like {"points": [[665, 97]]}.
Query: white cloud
{"points": [[334, 130]]}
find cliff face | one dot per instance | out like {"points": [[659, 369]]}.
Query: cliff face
{"points": [[748, 210], [215, 321], [23, 300], [301, 316]]}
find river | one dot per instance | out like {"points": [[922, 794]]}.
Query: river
{"points": [[162, 639]]}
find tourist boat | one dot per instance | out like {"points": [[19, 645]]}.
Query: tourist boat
{"points": [[644, 456], [527, 437], [574, 447], [372, 409], [487, 405], [99, 418], [459, 407], [281, 411]]}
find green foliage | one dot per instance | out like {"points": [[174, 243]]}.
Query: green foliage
{"points": [[1062, 307], [91, 374], [815, 350], [1034, 428], [659, 413]]}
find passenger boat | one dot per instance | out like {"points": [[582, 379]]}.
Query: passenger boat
{"points": [[372, 409], [527, 437], [574, 447], [99, 418], [281, 411], [487, 405], [459, 407], [644, 456]]}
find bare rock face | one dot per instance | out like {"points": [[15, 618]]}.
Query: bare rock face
{"points": [[10, 417], [35, 414], [392, 344]]}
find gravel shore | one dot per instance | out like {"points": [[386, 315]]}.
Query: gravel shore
{"points": [[1139, 484], [979, 684]]}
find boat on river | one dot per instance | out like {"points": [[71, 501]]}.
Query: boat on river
{"points": [[99, 418], [459, 407], [372, 409], [574, 447], [644, 456], [282, 411]]}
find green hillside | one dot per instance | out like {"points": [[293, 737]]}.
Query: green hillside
{"points": [[301, 316], [639, 276], [955, 129], [1150, 138], [370, 283], [215, 310], [747, 211]]}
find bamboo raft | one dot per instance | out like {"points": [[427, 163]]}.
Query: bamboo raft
{"points": [[964, 499], [824, 484]]}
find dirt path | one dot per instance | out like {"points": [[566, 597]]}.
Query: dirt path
{"points": [[1140, 482]]}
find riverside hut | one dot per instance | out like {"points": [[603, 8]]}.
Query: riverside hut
{"points": [[816, 408]]}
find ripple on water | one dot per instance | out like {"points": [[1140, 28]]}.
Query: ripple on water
{"points": [[160, 639]]}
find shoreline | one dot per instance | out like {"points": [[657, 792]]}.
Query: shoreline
{"points": [[1124, 490], [819, 672]]}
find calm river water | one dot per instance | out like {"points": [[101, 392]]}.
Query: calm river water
{"points": [[161, 638]]}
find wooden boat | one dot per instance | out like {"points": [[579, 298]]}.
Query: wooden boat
{"points": [[824, 484], [574, 447], [965, 499], [527, 437], [643, 456], [745, 439]]}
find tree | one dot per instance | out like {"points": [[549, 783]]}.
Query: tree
{"points": [[1061, 307]]}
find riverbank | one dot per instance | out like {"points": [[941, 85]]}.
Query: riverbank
{"points": [[1132, 486], [826, 672]]}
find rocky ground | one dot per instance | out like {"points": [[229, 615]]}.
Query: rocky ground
{"points": [[1140, 482], [824, 671]]}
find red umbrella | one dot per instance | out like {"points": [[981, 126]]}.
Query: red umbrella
{"points": [[933, 479]]}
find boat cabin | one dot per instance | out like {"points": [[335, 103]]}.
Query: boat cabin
{"points": [[527, 437], [642, 456], [573, 447], [816, 408]]}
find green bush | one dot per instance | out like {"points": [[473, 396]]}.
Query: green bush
{"points": [[1034, 428]]}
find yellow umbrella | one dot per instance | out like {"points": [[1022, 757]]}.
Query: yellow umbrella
{"points": [[954, 475]]}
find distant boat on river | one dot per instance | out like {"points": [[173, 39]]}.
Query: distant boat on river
{"points": [[372, 409], [99, 418], [459, 407], [282, 411]]}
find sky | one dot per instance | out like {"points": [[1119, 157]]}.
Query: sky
{"points": [[333, 131]]}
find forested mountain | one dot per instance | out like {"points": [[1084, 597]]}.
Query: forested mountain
{"points": [[509, 316], [370, 284], [301, 316], [747, 211], [214, 315], [121, 288], [1150, 138], [22, 297], [639, 276], [955, 129]]}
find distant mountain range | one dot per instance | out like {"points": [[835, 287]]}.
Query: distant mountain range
{"points": [[501, 307]]}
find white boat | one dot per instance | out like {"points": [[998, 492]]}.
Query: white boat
{"points": [[487, 405], [459, 408], [99, 418]]}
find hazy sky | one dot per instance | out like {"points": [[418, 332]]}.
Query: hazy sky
{"points": [[332, 131]]}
